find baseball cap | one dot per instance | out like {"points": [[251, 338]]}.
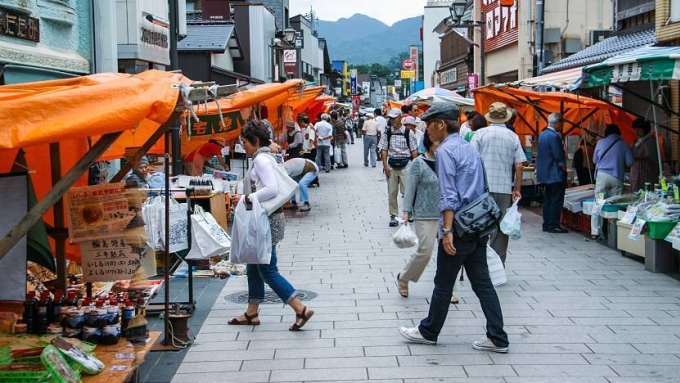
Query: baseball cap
{"points": [[498, 113], [409, 120], [441, 110], [394, 112], [369, 115]]}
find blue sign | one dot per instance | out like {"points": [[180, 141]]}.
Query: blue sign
{"points": [[353, 82]]}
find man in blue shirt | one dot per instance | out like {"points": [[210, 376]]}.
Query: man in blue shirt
{"points": [[551, 171], [461, 181]]}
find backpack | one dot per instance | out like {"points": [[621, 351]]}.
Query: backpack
{"points": [[405, 134]]}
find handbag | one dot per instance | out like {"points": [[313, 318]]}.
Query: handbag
{"points": [[480, 217], [511, 225], [251, 237], [208, 238], [287, 187]]}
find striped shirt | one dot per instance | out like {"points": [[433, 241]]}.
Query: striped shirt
{"points": [[501, 150]]}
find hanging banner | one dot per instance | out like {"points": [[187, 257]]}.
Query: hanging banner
{"points": [[209, 125], [353, 82], [413, 55], [96, 212], [108, 260]]}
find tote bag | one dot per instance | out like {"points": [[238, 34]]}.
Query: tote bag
{"points": [[287, 187], [251, 237]]}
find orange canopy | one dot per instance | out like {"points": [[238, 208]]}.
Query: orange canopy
{"points": [[533, 108], [236, 110]]}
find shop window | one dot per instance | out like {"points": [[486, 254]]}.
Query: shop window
{"points": [[675, 11]]}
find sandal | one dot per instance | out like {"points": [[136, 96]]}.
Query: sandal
{"points": [[305, 315], [454, 300], [250, 320], [402, 286]]}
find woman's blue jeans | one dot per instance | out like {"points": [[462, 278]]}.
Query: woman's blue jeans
{"points": [[258, 275], [304, 186]]}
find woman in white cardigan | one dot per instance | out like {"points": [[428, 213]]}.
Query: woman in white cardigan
{"points": [[256, 143]]}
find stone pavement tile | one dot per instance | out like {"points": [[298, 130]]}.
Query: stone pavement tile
{"points": [[576, 306], [416, 372], [325, 352], [536, 359], [648, 372], [322, 316], [376, 317], [648, 314], [212, 377], [313, 325], [612, 348], [211, 356], [364, 361], [280, 344], [573, 329], [605, 313], [614, 321], [565, 370], [478, 358], [219, 346], [561, 379], [551, 338], [325, 374], [529, 321], [370, 324], [635, 338], [666, 321], [664, 300], [653, 348], [532, 348], [276, 364], [387, 350], [202, 367], [641, 330], [633, 359], [629, 379], [368, 341], [643, 306], [497, 371], [216, 337], [281, 335]]}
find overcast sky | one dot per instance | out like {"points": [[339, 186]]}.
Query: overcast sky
{"points": [[387, 11]]}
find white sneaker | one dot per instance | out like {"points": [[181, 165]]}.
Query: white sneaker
{"points": [[413, 335], [487, 345]]}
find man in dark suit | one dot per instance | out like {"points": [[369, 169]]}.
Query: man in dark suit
{"points": [[551, 170]]}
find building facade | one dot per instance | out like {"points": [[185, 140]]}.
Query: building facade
{"points": [[280, 8], [44, 40], [143, 35], [310, 60], [256, 29], [435, 11]]}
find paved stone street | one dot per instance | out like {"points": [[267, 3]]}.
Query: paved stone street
{"points": [[575, 310]]}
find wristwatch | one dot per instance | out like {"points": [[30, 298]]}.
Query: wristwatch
{"points": [[446, 231]]}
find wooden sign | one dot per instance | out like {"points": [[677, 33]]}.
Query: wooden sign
{"points": [[109, 260], [17, 25]]}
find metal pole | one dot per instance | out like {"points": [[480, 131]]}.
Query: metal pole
{"points": [[177, 165], [482, 56], [538, 46]]}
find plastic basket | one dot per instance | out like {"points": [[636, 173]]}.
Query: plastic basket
{"points": [[25, 376], [659, 230]]}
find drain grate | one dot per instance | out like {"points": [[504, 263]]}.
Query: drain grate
{"points": [[270, 296]]}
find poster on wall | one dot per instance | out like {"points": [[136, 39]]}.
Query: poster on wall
{"points": [[14, 194], [96, 212]]}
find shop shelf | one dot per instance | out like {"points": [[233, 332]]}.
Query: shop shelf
{"points": [[659, 230]]}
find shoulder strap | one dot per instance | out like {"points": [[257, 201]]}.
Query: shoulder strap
{"points": [[406, 135], [610, 146], [408, 139]]}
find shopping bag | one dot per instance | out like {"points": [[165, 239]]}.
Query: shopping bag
{"points": [[496, 269], [337, 155], [208, 238], [405, 237], [251, 237], [511, 224], [287, 187]]}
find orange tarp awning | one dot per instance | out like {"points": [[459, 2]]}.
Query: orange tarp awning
{"points": [[533, 108], [236, 110]]}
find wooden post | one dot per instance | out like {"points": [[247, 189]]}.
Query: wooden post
{"points": [[60, 234], [54, 195]]}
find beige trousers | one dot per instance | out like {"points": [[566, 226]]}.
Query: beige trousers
{"points": [[604, 183], [426, 231], [396, 181]]}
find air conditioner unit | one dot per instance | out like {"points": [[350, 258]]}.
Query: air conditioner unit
{"points": [[597, 35]]}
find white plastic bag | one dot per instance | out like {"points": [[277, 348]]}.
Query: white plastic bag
{"points": [[511, 224], [251, 237], [337, 156], [208, 238], [405, 237], [496, 269]]}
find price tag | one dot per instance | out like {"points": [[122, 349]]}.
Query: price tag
{"points": [[664, 185], [118, 368], [126, 355], [630, 215], [636, 230]]}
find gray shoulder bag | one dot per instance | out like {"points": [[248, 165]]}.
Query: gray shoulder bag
{"points": [[480, 217]]}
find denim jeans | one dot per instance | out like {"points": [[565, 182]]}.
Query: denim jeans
{"points": [[303, 183], [553, 200], [258, 275], [324, 152], [470, 253], [370, 143]]}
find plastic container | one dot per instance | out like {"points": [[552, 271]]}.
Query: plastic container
{"points": [[659, 230]]}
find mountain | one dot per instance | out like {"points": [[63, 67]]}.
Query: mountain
{"points": [[361, 39]]}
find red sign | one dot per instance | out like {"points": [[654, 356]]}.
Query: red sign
{"points": [[215, 10], [356, 103], [501, 24], [473, 81], [408, 64]]}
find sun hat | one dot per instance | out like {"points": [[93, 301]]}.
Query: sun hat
{"points": [[498, 113], [409, 120]]}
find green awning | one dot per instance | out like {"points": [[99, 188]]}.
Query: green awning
{"points": [[642, 64]]}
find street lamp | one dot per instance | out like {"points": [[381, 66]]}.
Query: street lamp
{"points": [[289, 35], [457, 10]]}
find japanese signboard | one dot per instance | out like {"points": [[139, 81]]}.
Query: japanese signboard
{"points": [[413, 55], [109, 259], [501, 24], [449, 76], [96, 212], [13, 24], [408, 74], [473, 81], [290, 61], [209, 125], [353, 81]]}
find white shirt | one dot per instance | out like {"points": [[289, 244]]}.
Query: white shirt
{"points": [[323, 129], [308, 143], [382, 123], [500, 150]]}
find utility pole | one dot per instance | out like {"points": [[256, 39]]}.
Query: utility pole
{"points": [[177, 165], [538, 45]]}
